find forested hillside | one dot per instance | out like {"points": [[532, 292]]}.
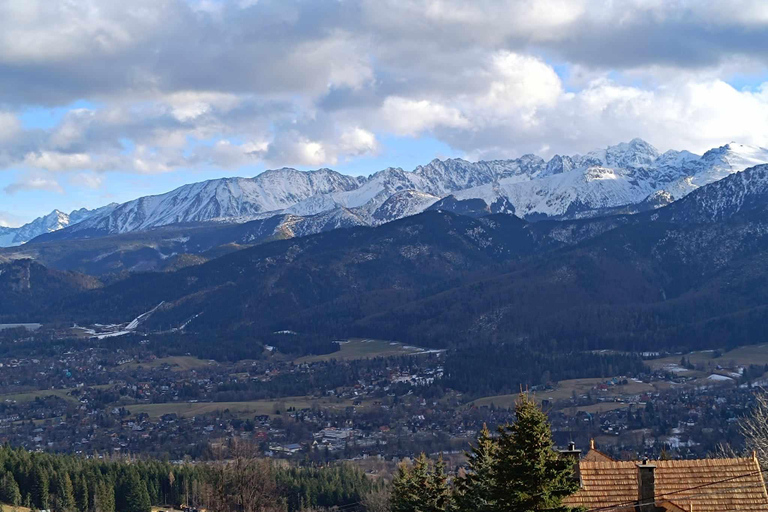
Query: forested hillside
{"points": [[659, 280]]}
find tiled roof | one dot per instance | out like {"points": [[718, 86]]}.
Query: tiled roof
{"points": [[595, 455], [711, 485]]}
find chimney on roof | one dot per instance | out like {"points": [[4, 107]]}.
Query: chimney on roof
{"points": [[571, 451], [572, 454], [646, 486]]}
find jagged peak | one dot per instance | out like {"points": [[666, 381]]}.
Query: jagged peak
{"points": [[605, 177]]}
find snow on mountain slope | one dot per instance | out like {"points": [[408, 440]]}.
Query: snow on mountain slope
{"points": [[592, 188], [54, 221], [371, 194], [621, 175], [627, 174], [222, 199], [715, 165], [403, 204], [294, 226], [739, 192]]}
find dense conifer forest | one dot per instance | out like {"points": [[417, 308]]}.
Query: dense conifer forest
{"points": [[68, 483]]}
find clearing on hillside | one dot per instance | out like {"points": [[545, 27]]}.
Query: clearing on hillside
{"points": [[364, 348]]}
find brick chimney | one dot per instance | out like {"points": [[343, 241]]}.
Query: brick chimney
{"points": [[646, 487]]}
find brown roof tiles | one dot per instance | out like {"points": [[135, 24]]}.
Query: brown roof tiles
{"points": [[710, 485]]}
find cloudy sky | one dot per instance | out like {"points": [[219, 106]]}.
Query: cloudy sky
{"points": [[107, 100]]}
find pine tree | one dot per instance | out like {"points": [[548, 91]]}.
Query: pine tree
{"points": [[530, 475], [474, 490], [82, 496], [9, 490], [65, 494], [136, 495], [104, 497], [439, 493], [423, 488], [40, 488], [405, 493]]}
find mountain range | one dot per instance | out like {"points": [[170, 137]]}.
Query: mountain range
{"points": [[632, 176], [691, 274]]}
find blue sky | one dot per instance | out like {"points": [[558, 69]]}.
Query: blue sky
{"points": [[105, 101]]}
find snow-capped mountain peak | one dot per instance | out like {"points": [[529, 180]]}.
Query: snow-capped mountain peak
{"points": [[633, 154], [629, 173], [559, 164], [49, 223]]}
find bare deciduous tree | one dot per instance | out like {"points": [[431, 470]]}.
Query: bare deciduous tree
{"points": [[377, 500], [240, 481], [754, 428]]}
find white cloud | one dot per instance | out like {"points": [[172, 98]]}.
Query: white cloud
{"points": [[189, 105], [174, 84], [358, 141], [87, 180], [54, 161], [35, 181], [404, 116], [519, 86], [295, 149]]}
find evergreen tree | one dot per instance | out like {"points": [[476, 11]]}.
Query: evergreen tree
{"points": [[405, 492], [9, 490], [40, 488], [82, 496], [424, 488], [474, 490], [65, 494], [530, 475], [136, 495], [104, 497], [439, 497]]}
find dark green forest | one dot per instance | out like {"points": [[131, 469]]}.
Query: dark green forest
{"points": [[68, 483]]}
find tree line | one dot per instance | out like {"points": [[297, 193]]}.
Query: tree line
{"points": [[237, 480]]}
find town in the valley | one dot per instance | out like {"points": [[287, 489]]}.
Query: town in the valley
{"points": [[371, 399]]}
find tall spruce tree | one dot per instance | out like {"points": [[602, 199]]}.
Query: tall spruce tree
{"points": [[104, 497], [82, 495], [65, 494], [530, 475], [405, 492], [136, 494], [40, 488], [9, 490], [439, 498], [474, 490]]}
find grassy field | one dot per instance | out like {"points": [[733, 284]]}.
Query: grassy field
{"points": [[31, 395], [243, 409], [564, 390], [597, 408], [177, 363], [741, 356], [28, 396], [364, 349]]}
